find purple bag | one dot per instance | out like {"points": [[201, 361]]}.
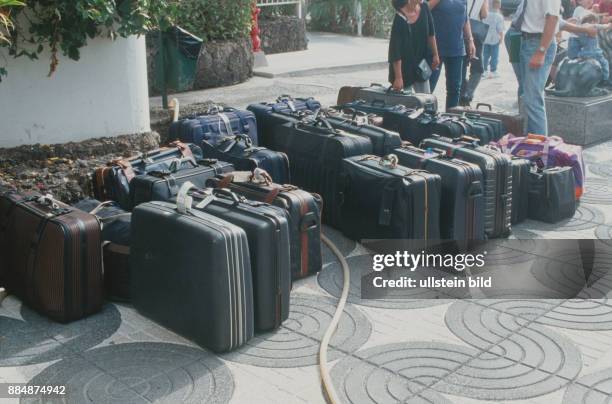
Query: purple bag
{"points": [[547, 152]]}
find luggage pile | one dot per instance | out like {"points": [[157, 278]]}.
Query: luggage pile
{"points": [[206, 235]]}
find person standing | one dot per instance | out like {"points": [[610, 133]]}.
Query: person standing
{"points": [[412, 43], [539, 22], [478, 10], [490, 57], [454, 39]]}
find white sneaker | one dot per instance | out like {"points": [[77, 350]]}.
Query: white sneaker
{"points": [[485, 75], [494, 75]]}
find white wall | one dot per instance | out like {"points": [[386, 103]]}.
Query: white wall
{"points": [[103, 94]]}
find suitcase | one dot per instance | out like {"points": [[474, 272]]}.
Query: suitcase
{"points": [[384, 200], [315, 150], [511, 122], [304, 210], [215, 124], [116, 227], [267, 230], [347, 94], [383, 141], [239, 151], [484, 128], [113, 181], [551, 194], [191, 273], [547, 152], [520, 189], [497, 173], [462, 199], [284, 110], [164, 185], [51, 256], [377, 93]]}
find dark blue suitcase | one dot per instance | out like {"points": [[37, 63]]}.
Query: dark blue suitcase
{"points": [[239, 151], [214, 125]]}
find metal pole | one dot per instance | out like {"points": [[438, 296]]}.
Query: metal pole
{"points": [[358, 12], [162, 52]]}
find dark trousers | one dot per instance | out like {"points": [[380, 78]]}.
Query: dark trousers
{"points": [[469, 85], [454, 70]]}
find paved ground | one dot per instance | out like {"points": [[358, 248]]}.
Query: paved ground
{"points": [[417, 351]]}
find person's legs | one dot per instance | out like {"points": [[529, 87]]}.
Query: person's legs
{"points": [[421, 87], [573, 47], [468, 88], [534, 81], [487, 58], [435, 76], [454, 69], [511, 35], [494, 57]]}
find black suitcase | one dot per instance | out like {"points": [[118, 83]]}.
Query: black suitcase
{"points": [[484, 128], [284, 110], [164, 185], [315, 151], [462, 202], [239, 151], [511, 122], [116, 226], [497, 173], [520, 189], [191, 273], [304, 210], [552, 196], [377, 93], [383, 140], [384, 200], [267, 230]]}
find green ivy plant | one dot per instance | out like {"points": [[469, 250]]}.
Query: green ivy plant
{"points": [[214, 20], [340, 16], [65, 26]]}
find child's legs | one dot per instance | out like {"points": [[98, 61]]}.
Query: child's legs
{"points": [[486, 56], [494, 57], [573, 48]]}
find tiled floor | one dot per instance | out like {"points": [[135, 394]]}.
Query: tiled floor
{"points": [[411, 350]]}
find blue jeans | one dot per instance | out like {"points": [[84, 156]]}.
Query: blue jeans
{"points": [[454, 70], [534, 82], [515, 66], [573, 47], [491, 57]]}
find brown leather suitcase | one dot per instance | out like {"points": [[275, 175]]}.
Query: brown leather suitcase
{"points": [[513, 122], [51, 256], [347, 94]]}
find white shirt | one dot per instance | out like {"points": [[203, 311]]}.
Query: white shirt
{"points": [[475, 14], [536, 13], [580, 12]]}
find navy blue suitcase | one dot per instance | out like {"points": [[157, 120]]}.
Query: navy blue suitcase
{"points": [[239, 151], [216, 124]]}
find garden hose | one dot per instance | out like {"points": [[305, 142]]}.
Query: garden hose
{"points": [[328, 386]]}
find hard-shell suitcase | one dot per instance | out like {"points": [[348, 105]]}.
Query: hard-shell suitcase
{"points": [[270, 114], [520, 189], [497, 173], [377, 93], [267, 230], [462, 200], [384, 200], [116, 226], [551, 194], [484, 128], [347, 94], [191, 273], [215, 124], [51, 256], [240, 152], [304, 210], [383, 141], [315, 150], [113, 181], [163, 185], [512, 122]]}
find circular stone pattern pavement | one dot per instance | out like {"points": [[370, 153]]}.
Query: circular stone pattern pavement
{"points": [[297, 342], [598, 191], [141, 373], [595, 388]]}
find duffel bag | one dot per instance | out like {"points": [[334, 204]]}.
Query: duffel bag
{"points": [[551, 194]]}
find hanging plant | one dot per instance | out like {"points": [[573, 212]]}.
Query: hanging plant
{"points": [[65, 26]]}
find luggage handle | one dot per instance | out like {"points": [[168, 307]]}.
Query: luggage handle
{"points": [[176, 164], [389, 161], [475, 190], [484, 104], [309, 222], [225, 192], [184, 201]]}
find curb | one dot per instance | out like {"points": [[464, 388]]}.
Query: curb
{"points": [[322, 70]]}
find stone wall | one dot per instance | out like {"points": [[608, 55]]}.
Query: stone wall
{"points": [[283, 34], [221, 63]]}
